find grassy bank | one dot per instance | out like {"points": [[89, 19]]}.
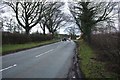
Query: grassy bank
{"points": [[90, 67], [9, 48]]}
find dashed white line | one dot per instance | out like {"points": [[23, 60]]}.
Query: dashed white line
{"points": [[8, 67], [44, 53]]}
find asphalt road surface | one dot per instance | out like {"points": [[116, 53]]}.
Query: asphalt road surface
{"points": [[49, 61]]}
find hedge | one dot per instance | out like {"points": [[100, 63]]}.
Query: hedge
{"points": [[16, 38]]}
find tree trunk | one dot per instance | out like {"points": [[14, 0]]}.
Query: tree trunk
{"points": [[118, 41], [89, 38], [53, 34], [89, 35], [27, 30], [44, 30]]}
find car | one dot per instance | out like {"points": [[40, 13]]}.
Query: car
{"points": [[64, 39]]}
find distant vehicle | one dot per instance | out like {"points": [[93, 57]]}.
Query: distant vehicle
{"points": [[64, 39]]}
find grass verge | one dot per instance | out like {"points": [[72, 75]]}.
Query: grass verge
{"points": [[10, 48], [90, 67]]}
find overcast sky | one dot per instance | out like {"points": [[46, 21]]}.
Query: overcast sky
{"points": [[9, 13]]}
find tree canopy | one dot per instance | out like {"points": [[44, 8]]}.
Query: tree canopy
{"points": [[88, 14]]}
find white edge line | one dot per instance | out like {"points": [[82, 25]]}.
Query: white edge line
{"points": [[8, 67], [44, 53]]}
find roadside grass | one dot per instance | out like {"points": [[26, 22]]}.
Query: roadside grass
{"points": [[9, 48], [90, 67], [0, 49]]}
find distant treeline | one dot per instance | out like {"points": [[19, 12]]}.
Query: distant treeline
{"points": [[16, 38]]}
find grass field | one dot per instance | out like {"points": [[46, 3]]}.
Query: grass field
{"points": [[8, 48], [90, 67]]}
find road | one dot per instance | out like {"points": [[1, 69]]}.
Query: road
{"points": [[49, 61]]}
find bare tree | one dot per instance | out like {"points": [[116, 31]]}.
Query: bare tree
{"points": [[28, 14], [1, 19], [54, 16], [42, 24], [72, 31]]}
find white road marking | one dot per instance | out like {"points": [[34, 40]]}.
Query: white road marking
{"points": [[8, 67], [44, 53]]}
